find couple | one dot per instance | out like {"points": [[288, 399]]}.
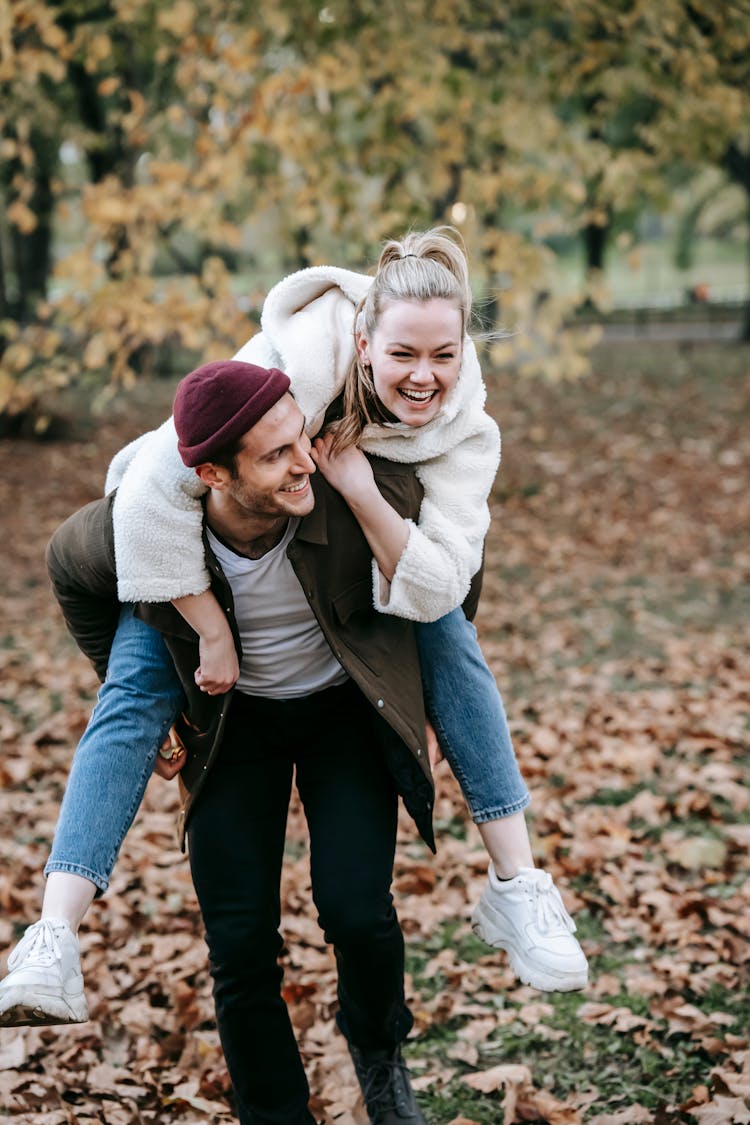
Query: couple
{"points": [[299, 588]]}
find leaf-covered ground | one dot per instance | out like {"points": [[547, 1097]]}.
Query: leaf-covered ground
{"points": [[615, 616]]}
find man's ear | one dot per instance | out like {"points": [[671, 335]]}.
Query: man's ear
{"points": [[213, 476]]}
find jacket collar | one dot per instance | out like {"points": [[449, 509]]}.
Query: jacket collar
{"points": [[314, 528]]}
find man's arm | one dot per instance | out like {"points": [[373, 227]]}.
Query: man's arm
{"points": [[81, 565]]}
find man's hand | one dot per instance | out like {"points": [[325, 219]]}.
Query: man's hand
{"points": [[171, 756], [219, 668], [349, 472], [434, 753]]}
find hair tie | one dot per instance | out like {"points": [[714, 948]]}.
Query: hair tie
{"points": [[409, 256]]}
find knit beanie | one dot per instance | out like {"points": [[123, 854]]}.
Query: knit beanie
{"points": [[220, 401]]}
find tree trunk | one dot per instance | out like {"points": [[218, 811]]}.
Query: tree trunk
{"points": [[4, 309], [27, 257], [595, 245], [737, 164], [745, 330]]}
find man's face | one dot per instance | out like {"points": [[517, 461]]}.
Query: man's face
{"points": [[273, 467]]}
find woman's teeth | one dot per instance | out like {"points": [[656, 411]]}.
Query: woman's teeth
{"points": [[416, 396]]}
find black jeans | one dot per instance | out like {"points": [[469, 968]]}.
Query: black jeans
{"points": [[236, 839]]}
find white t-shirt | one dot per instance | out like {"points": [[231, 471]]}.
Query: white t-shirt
{"points": [[284, 652]]}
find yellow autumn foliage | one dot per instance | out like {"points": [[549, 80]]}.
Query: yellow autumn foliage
{"points": [[204, 153]]}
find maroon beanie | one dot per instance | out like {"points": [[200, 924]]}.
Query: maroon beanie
{"points": [[220, 401]]}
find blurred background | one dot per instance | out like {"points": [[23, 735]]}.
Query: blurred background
{"points": [[163, 164]]}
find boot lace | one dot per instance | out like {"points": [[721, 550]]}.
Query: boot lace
{"points": [[385, 1086], [39, 946]]}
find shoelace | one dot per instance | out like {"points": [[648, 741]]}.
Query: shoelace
{"points": [[551, 914], [383, 1091], [38, 944]]}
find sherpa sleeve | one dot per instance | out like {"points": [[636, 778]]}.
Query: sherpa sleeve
{"points": [[158, 524], [444, 549]]}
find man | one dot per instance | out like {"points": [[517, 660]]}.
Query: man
{"points": [[328, 688]]}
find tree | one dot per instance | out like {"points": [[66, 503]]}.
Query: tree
{"points": [[215, 140]]}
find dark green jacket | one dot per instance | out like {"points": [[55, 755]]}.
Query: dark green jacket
{"points": [[332, 560]]}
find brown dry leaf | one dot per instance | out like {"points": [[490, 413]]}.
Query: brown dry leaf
{"points": [[513, 1082], [540, 1105], [631, 1115], [723, 1111]]}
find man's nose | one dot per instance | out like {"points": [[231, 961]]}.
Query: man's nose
{"points": [[303, 462]]}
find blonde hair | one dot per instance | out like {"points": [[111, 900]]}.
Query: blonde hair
{"points": [[422, 266]]}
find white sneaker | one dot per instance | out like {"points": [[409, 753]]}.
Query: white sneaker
{"points": [[525, 916], [44, 983]]}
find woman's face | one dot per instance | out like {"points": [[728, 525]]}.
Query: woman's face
{"points": [[415, 355]]}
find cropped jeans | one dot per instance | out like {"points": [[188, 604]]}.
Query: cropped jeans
{"points": [[142, 696], [137, 704]]}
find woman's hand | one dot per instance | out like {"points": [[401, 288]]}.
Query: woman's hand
{"points": [[219, 667], [171, 757], [349, 471]]}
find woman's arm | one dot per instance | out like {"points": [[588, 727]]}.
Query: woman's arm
{"points": [[350, 474], [423, 570], [158, 524], [219, 667]]}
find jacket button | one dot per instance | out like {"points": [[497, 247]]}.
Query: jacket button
{"points": [[380, 703], [419, 752]]}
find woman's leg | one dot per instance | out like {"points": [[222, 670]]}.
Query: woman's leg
{"points": [[466, 710], [521, 910], [136, 706]]}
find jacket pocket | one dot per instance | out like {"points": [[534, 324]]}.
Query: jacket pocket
{"points": [[355, 599]]}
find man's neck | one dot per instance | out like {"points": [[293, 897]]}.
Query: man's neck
{"points": [[248, 535]]}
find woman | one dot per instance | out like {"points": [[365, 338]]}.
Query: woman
{"points": [[387, 363]]}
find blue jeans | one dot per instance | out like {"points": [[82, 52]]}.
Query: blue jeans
{"points": [[137, 705], [142, 695], [466, 710]]}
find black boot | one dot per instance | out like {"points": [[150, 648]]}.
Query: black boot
{"points": [[386, 1088]]}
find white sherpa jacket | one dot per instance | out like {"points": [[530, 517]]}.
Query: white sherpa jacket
{"points": [[307, 331]]}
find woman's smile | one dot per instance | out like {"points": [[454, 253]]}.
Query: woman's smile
{"points": [[415, 355]]}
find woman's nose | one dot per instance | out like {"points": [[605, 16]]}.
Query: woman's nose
{"points": [[422, 372]]}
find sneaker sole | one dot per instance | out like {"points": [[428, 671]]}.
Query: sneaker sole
{"points": [[24, 1015], [544, 981], [44, 1011]]}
